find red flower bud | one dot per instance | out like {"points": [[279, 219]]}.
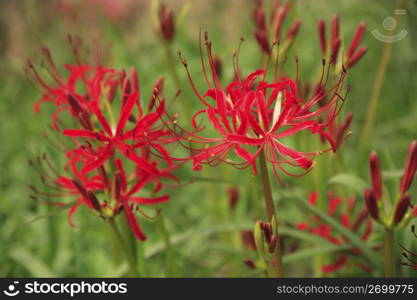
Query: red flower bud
{"points": [[249, 263], [335, 50], [293, 30], [267, 229], [248, 239], [279, 21], [374, 166], [167, 23], [233, 193], [334, 30], [409, 168], [218, 66], [371, 204], [401, 208], [272, 244], [357, 38], [321, 28], [262, 39], [356, 57]]}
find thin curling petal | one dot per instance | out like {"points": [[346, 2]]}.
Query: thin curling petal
{"points": [[375, 168], [371, 203], [133, 223], [409, 168]]}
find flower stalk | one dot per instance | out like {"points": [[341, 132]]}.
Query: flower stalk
{"points": [[389, 252], [270, 211]]}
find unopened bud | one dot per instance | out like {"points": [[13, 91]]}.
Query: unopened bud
{"points": [[272, 244], [166, 19], [233, 198], [321, 28], [409, 168], [357, 38], [401, 208], [371, 204], [375, 168], [249, 263]]}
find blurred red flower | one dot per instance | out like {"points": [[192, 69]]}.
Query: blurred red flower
{"points": [[339, 209]]}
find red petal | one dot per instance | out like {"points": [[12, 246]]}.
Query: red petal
{"points": [[133, 223], [148, 201]]}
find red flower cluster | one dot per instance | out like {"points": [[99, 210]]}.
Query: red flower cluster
{"points": [[327, 232], [251, 116], [111, 159]]}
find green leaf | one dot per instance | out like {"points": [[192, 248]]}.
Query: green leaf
{"points": [[35, 266], [231, 227], [304, 254], [355, 183], [353, 238]]}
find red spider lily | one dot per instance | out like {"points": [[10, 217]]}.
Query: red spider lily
{"points": [[100, 85], [105, 200], [251, 117], [96, 173], [327, 232]]}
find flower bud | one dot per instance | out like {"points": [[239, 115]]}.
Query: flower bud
{"points": [[262, 39], [293, 30], [166, 19], [248, 239], [218, 66], [410, 168], [371, 203], [357, 38], [374, 166], [356, 57], [334, 30], [401, 208], [279, 21], [249, 263], [272, 244], [233, 198], [321, 28]]}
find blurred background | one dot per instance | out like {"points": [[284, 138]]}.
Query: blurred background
{"points": [[205, 227]]}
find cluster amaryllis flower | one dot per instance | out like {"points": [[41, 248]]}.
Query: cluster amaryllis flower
{"points": [[116, 148], [254, 114], [341, 209]]}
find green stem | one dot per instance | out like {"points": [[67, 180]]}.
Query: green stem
{"points": [[175, 77], [270, 211], [171, 66], [170, 268], [389, 252], [379, 80], [126, 248]]}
